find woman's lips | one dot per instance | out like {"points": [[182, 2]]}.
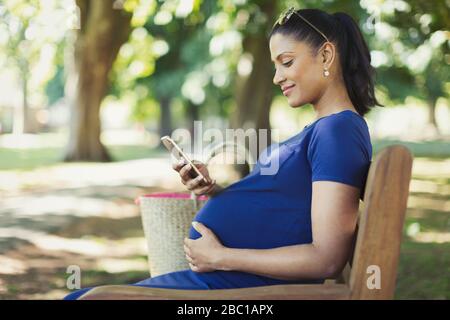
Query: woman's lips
{"points": [[287, 90]]}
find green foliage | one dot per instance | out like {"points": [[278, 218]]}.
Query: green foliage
{"points": [[31, 44], [190, 53], [145, 109], [417, 36], [54, 89]]}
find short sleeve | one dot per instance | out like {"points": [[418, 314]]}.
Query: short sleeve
{"points": [[339, 150]]}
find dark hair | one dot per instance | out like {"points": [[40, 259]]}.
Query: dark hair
{"points": [[343, 31]]}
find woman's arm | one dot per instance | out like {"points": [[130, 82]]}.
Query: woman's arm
{"points": [[333, 224], [284, 263]]}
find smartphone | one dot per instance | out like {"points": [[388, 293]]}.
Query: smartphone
{"points": [[178, 153]]}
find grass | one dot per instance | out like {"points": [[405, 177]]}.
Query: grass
{"points": [[29, 159], [430, 221], [424, 271], [92, 278], [435, 149]]}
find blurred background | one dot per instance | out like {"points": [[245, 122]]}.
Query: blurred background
{"points": [[88, 87]]}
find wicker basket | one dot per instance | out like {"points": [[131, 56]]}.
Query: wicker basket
{"points": [[166, 220]]}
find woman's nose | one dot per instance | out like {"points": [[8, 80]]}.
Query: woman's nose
{"points": [[278, 78]]}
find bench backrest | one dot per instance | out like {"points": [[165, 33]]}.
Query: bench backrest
{"points": [[380, 225]]}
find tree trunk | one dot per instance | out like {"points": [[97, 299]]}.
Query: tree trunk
{"points": [[165, 123], [432, 115], [193, 115], [21, 122], [254, 91], [102, 32]]}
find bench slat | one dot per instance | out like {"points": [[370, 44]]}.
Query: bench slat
{"points": [[275, 292]]}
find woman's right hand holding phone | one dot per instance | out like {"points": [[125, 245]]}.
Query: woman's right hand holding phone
{"points": [[196, 185]]}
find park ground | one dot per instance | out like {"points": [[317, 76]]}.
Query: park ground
{"points": [[53, 215]]}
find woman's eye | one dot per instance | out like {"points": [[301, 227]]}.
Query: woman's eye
{"points": [[285, 64]]}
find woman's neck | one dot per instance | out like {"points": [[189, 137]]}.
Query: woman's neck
{"points": [[333, 100]]}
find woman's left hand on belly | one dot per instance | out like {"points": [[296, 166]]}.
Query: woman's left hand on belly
{"points": [[203, 253]]}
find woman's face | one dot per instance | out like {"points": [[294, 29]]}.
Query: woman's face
{"points": [[297, 71]]}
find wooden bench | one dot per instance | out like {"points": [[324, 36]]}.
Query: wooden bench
{"points": [[376, 245]]}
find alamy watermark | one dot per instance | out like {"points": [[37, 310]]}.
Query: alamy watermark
{"points": [[374, 280], [74, 280], [246, 145]]}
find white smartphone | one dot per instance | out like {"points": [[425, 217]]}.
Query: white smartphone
{"points": [[178, 153]]}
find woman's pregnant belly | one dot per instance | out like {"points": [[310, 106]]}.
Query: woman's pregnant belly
{"points": [[254, 219]]}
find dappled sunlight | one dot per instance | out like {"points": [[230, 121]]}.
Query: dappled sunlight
{"points": [[67, 205], [431, 168], [43, 273], [121, 265], [95, 248], [407, 121], [75, 213], [428, 213], [102, 227], [56, 294], [429, 203], [415, 233], [3, 288], [428, 186], [432, 237], [11, 266], [144, 172]]}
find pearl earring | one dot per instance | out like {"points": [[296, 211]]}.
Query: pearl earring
{"points": [[326, 73]]}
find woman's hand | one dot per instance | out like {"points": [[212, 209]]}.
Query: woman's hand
{"points": [[204, 253], [197, 185]]}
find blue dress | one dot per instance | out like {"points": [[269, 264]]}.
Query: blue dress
{"points": [[271, 206]]}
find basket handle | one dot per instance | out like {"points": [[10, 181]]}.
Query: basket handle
{"points": [[220, 146], [215, 150]]}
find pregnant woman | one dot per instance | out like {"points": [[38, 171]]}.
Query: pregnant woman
{"points": [[297, 225]]}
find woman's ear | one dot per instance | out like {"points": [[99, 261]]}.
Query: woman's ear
{"points": [[327, 55]]}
